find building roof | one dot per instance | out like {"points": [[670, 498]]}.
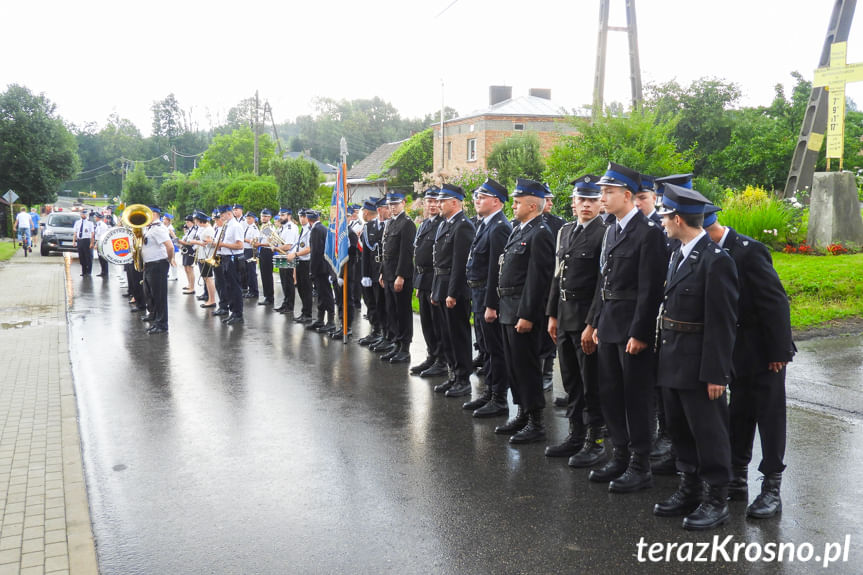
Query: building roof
{"points": [[522, 106], [374, 162], [325, 168]]}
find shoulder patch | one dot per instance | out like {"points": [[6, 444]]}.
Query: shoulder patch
{"points": [[651, 223], [717, 250], [745, 243]]}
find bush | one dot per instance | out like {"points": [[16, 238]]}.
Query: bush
{"points": [[755, 213]]}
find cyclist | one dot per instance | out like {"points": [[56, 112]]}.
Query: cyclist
{"points": [[23, 225]]}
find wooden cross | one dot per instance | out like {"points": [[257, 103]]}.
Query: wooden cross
{"points": [[833, 78]]}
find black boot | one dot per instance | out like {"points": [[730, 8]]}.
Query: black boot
{"points": [[665, 465], [636, 477], [661, 446], [592, 451], [712, 512], [683, 501], [532, 432], [445, 386], [317, 323], [495, 407], [514, 425], [436, 369], [738, 489], [613, 468], [475, 404], [421, 367], [570, 445], [768, 503], [548, 373], [460, 388], [383, 346], [369, 339], [329, 326], [397, 347]]}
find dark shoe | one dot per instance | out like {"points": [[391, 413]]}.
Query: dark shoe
{"points": [[280, 308], [154, 330], [478, 361], [265, 302], [532, 432], [100, 275], [388, 355], [401, 357], [480, 370], [147, 317], [302, 319], [339, 335], [685, 500], [661, 446], [768, 503], [206, 305], [494, 408], [383, 346], [738, 489], [436, 369], [592, 451], [445, 386], [570, 445], [234, 320], [513, 425], [475, 404], [636, 477], [138, 309], [561, 402], [712, 512], [421, 367], [460, 388], [613, 468], [220, 311], [666, 465], [326, 328], [368, 339]]}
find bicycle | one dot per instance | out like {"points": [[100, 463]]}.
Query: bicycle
{"points": [[26, 242]]}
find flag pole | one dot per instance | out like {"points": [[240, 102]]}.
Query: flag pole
{"points": [[343, 149]]}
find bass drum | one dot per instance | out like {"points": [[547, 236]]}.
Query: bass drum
{"points": [[116, 246]]}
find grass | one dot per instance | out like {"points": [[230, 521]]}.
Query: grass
{"points": [[821, 288], [7, 250]]}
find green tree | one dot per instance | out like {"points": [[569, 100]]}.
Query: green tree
{"points": [[517, 157], [298, 181], [234, 153], [37, 152], [138, 189], [410, 161]]}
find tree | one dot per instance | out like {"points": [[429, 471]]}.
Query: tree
{"points": [[138, 188], [410, 161], [517, 157], [169, 121], [298, 181], [235, 152], [37, 152]]}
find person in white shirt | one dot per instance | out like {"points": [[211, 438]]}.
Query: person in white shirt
{"points": [[168, 222], [23, 225], [250, 236], [289, 234], [231, 252], [302, 253], [157, 252], [84, 239], [203, 241], [100, 231], [190, 230]]}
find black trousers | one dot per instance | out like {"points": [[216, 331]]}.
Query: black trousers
{"points": [[495, 365], [134, 280], [251, 272], [458, 337], [103, 266], [399, 312], [371, 307], [156, 288], [758, 401], [304, 287], [85, 256], [339, 296], [233, 292], [286, 278], [265, 260], [242, 274], [580, 375], [523, 366], [431, 328], [219, 280], [698, 427], [626, 385], [326, 303], [382, 311]]}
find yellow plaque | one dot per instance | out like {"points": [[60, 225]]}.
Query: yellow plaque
{"points": [[815, 141]]}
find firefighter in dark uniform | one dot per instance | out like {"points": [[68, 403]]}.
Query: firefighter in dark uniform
{"points": [[319, 269], [571, 324], [761, 351], [385, 344], [450, 292], [483, 276], [645, 199], [526, 268], [549, 350], [397, 273], [697, 327], [434, 363], [632, 269], [370, 267]]}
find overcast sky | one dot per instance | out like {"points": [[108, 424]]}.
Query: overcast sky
{"points": [[98, 57]]}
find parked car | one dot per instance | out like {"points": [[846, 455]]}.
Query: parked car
{"points": [[57, 232]]}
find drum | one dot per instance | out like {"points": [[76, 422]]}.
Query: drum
{"points": [[116, 246], [281, 262]]}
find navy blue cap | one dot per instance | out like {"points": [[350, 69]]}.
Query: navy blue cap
{"points": [[97, 214], [156, 209], [448, 191], [223, 209], [494, 189], [266, 212], [312, 214], [586, 186], [647, 183], [189, 218], [350, 209], [250, 215], [381, 202], [431, 192], [199, 215], [548, 192], [682, 180], [395, 198], [169, 216], [710, 215], [237, 207], [621, 177], [525, 187], [286, 211], [370, 205], [682, 201]]}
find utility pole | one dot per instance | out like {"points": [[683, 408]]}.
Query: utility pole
{"points": [[255, 120], [634, 61], [442, 144]]}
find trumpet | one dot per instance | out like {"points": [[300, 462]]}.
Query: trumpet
{"points": [[137, 217], [272, 236]]}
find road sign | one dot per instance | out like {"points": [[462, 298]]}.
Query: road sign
{"points": [[10, 196], [834, 79]]}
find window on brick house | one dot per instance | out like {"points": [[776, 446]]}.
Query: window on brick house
{"points": [[471, 150], [518, 127]]}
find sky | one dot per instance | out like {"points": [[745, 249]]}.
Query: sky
{"points": [[94, 58]]}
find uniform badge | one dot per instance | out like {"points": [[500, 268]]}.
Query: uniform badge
{"points": [[302, 244], [745, 243], [717, 250], [650, 223]]}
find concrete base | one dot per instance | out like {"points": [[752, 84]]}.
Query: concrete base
{"points": [[834, 210]]}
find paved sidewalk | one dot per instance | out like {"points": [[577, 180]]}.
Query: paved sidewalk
{"points": [[45, 524]]}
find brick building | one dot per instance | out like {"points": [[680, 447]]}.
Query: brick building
{"points": [[469, 139]]}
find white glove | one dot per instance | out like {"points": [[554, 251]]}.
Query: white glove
{"points": [[366, 282], [341, 282]]}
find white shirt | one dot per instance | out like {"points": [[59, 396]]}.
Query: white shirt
{"points": [[233, 234], [721, 242], [83, 229], [250, 234], [686, 249], [101, 230], [155, 237], [24, 221], [303, 243], [627, 218], [289, 233], [204, 233]]}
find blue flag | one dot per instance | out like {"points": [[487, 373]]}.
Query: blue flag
{"points": [[336, 252]]}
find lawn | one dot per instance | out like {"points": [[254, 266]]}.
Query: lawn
{"points": [[7, 249], [821, 288]]}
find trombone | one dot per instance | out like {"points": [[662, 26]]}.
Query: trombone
{"points": [[215, 260]]}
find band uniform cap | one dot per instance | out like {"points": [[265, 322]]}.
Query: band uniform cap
{"points": [[525, 187], [312, 214], [681, 200], [451, 191], [169, 216], [350, 209], [621, 177], [189, 218], [266, 212], [370, 205], [710, 215], [97, 215], [494, 189], [586, 186], [237, 207], [548, 193], [223, 209], [431, 193], [381, 202], [251, 215], [201, 216], [285, 211], [648, 183], [682, 180], [395, 198]]}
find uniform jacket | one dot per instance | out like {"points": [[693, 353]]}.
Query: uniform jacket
{"points": [[703, 290], [398, 248], [554, 223], [526, 267], [763, 316], [633, 267], [371, 252], [482, 262], [451, 250], [577, 273], [424, 252], [317, 243]]}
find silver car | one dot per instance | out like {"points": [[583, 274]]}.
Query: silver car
{"points": [[57, 232]]}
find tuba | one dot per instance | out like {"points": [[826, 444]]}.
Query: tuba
{"points": [[137, 217], [272, 236], [215, 260]]}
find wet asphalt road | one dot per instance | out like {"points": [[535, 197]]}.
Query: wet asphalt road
{"points": [[265, 448]]}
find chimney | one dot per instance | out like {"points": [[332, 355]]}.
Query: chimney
{"points": [[498, 94], [544, 93]]}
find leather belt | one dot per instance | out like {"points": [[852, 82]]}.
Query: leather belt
{"points": [[442, 271], [516, 290], [681, 326], [575, 294], [629, 294], [424, 269], [477, 283]]}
